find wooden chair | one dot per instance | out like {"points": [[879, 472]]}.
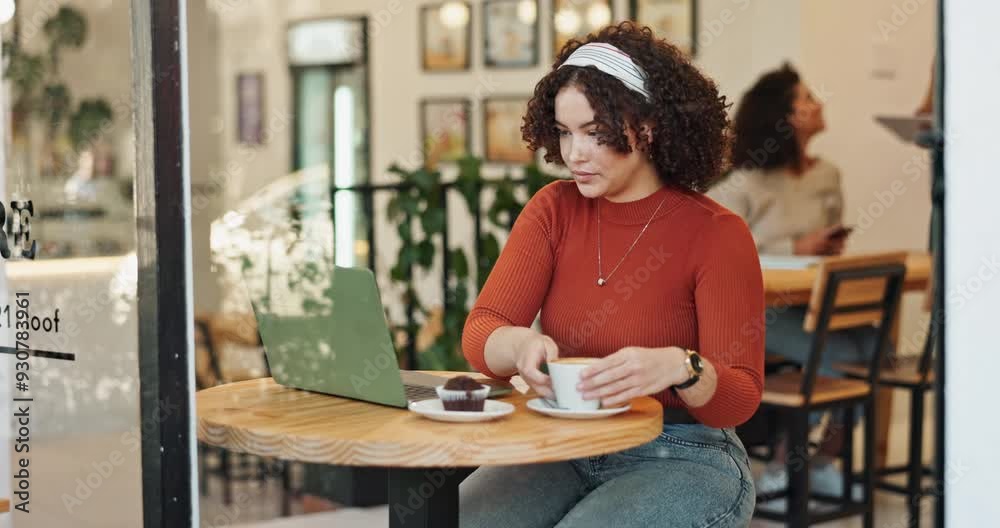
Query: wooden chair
{"points": [[215, 333], [849, 292], [916, 376]]}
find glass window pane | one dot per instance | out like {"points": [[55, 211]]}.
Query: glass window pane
{"points": [[68, 151]]}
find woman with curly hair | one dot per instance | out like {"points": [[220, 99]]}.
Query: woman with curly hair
{"points": [[630, 264], [793, 203]]}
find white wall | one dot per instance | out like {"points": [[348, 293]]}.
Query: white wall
{"points": [[738, 41], [973, 261], [205, 99], [844, 42], [834, 43]]}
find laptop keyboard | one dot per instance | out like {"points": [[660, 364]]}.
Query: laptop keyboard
{"points": [[418, 393]]}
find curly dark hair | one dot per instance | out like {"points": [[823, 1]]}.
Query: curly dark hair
{"points": [[764, 139], [687, 114]]}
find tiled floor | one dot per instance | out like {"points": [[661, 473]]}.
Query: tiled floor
{"points": [[890, 513], [259, 507]]}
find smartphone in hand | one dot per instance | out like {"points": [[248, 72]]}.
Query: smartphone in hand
{"points": [[840, 232]]}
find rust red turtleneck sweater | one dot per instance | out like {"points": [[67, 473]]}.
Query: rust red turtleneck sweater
{"points": [[693, 280]]}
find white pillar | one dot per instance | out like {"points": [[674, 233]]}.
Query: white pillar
{"points": [[972, 242]]}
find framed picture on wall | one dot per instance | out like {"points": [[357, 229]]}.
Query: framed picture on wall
{"points": [[577, 18], [502, 118], [673, 20], [510, 33], [445, 128], [250, 108], [445, 36]]}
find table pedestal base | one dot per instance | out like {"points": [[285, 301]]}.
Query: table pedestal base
{"points": [[424, 497]]}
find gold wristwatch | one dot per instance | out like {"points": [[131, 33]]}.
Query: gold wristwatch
{"points": [[694, 367]]}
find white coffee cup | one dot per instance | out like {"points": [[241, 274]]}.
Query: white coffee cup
{"points": [[565, 374]]}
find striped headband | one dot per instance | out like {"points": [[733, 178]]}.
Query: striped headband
{"points": [[611, 61]]}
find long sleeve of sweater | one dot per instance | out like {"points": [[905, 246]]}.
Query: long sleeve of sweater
{"points": [[515, 289], [729, 298]]}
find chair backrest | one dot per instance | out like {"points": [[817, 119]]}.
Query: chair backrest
{"points": [[852, 292], [207, 370]]}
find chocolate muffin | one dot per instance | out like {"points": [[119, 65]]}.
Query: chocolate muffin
{"points": [[463, 393]]}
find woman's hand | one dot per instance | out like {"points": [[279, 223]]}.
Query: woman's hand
{"points": [[531, 353], [632, 372], [820, 242]]}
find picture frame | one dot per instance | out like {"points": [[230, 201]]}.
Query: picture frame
{"points": [[502, 117], [673, 20], [446, 36], [510, 33], [576, 18], [250, 108], [445, 129]]}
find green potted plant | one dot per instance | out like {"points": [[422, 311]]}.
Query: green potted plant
{"points": [[43, 103]]}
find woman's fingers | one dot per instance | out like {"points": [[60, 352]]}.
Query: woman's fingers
{"points": [[602, 378], [611, 389], [605, 363], [535, 378]]}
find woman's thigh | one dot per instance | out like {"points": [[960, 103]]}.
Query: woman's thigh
{"points": [[528, 496], [689, 476]]}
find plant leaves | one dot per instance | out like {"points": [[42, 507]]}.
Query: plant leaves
{"points": [[430, 358], [403, 230], [410, 204], [425, 253], [425, 180], [407, 256], [66, 28], [459, 264], [398, 171], [393, 209], [432, 220]]}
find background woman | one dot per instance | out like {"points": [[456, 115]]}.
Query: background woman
{"points": [[793, 203]]}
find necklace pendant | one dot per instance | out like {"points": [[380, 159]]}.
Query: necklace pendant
{"points": [[601, 282]]}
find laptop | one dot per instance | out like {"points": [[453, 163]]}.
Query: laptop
{"points": [[343, 345]]}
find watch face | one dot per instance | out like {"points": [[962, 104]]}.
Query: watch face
{"points": [[696, 363]]}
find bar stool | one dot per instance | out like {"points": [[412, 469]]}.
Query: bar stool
{"points": [[916, 377], [849, 292]]}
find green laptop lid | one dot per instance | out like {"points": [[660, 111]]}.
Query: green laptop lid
{"points": [[333, 340]]}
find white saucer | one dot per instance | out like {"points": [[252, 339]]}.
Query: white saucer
{"points": [[434, 409], [539, 405]]}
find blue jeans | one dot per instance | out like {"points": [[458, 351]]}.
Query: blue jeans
{"points": [[690, 475], [786, 337]]}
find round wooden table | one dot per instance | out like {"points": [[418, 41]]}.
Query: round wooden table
{"points": [[266, 419], [792, 287]]}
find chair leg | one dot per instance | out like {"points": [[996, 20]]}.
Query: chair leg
{"points": [[797, 465], [226, 466], [203, 452], [286, 487], [914, 481], [869, 470], [847, 453]]}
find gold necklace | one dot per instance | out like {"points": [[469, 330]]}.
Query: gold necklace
{"points": [[601, 279]]}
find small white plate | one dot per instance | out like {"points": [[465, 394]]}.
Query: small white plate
{"points": [[434, 409], [539, 405]]}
